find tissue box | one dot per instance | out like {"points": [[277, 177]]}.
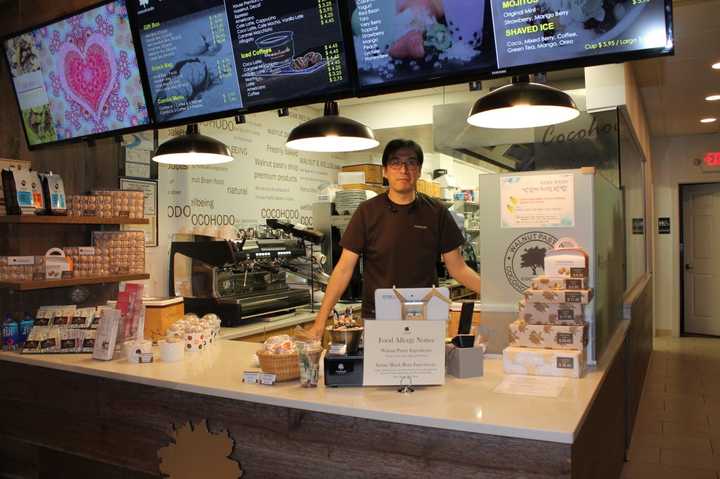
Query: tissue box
{"points": [[568, 314], [558, 282], [543, 362], [549, 336], [582, 296], [464, 362]]}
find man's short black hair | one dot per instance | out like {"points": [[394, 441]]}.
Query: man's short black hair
{"points": [[399, 144]]}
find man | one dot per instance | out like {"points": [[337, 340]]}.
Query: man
{"points": [[400, 235]]}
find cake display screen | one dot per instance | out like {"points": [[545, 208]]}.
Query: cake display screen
{"points": [[78, 77]]}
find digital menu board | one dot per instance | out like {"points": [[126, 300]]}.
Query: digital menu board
{"points": [[77, 77], [398, 41], [288, 50], [188, 58], [205, 58], [544, 31]]}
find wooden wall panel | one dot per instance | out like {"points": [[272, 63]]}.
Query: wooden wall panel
{"points": [[123, 424]]}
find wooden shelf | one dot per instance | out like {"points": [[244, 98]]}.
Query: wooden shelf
{"points": [[60, 283], [71, 220]]}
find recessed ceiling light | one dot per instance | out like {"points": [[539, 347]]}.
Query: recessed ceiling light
{"points": [[716, 66], [708, 120], [712, 98]]}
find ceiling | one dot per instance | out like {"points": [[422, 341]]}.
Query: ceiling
{"points": [[674, 88]]}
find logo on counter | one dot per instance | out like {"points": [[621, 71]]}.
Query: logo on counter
{"points": [[525, 258]]}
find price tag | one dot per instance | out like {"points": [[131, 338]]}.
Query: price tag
{"points": [[251, 377], [267, 379]]}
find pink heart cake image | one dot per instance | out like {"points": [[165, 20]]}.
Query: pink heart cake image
{"points": [[88, 75]]}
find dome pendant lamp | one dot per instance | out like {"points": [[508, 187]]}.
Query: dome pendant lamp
{"points": [[523, 104], [331, 133], [192, 148]]}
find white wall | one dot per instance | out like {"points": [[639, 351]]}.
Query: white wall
{"points": [[674, 165]]}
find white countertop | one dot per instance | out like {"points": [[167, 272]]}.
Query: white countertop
{"points": [[462, 404]]}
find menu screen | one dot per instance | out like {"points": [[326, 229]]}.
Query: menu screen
{"points": [[535, 31], [401, 40], [78, 77], [287, 49], [188, 58]]}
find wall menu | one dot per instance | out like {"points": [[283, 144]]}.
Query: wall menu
{"points": [[287, 50], [400, 40], [206, 57], [535, 31], [188, 58]]}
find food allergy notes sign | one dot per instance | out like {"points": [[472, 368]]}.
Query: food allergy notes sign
{"points": [[535, 31], [404, 353]]}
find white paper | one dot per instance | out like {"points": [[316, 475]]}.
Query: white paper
{"points": [[537, 201], [404, 353], [531, 386]]}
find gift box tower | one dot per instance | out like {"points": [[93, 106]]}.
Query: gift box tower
{"points": [[549, 337]]}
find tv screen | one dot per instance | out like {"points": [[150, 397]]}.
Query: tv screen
{"points": [[529, 32], [288, 50], [401, 42], [188, 58], [405, 41], [77, 77]]}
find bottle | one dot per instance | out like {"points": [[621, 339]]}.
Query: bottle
{"points": [[25, 326], [10, 333]]}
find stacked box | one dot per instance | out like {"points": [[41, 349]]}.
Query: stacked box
{"points": [[550, 334], [125, 250]]}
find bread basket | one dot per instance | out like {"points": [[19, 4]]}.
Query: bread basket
{"points": [[285, 367]]}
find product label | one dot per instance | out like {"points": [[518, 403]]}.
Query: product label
{"points": [[565, 363], [566, 315], [267, 379], [86, 251], [77, 321], [573, 283], [31, 345], [25, 198], [578, 272], [42, 321], [48, 343], [573, 297], [564, 338], [67, 344], [21, 260]]}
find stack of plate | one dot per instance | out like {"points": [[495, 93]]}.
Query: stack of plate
{"points": [[347, 201]]}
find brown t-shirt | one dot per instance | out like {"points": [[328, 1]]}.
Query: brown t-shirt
{"points": [[399, 244]]}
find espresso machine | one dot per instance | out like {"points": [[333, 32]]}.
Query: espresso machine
{"points": [[239, 280]]}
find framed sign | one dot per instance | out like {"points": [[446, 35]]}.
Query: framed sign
{"points": [[150, 190], [537, 201], [664, 226], [404, 353]]}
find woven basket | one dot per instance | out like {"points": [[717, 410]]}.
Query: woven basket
{"points": [[285, 367]]}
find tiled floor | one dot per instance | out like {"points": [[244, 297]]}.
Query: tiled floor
{"points": [[677, 432]]}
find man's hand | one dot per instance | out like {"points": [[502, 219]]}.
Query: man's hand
{"points": [[455, 264], [339, 280], [317, 331]]}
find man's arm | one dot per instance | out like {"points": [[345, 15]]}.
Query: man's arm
{"points": [[339, 279], [455, 264]]}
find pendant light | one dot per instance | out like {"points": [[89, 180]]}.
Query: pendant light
{"points": [[192, 148], [523, 104], [331, 133]]}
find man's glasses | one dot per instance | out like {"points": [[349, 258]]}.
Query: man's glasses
{"points": [[397, 164]]}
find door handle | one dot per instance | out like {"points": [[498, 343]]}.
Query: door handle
{"points": [[688, 267]]}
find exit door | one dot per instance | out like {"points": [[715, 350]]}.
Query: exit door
{"points": [[701, 227]]}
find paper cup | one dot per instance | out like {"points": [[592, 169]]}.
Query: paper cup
{"points": [[172, 351]]}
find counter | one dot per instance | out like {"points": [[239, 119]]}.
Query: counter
{"points": [[272, 325], [542, 435]]}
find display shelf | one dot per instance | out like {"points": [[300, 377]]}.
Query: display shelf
{"points": [[71, 220], [60, 283]]}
